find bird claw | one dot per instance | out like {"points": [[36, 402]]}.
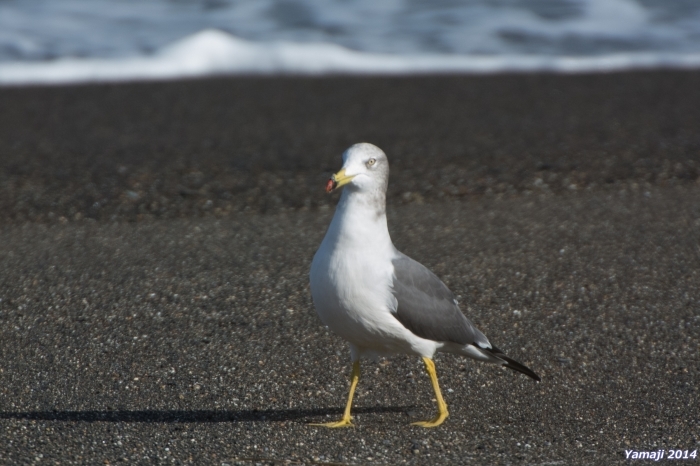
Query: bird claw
{"points": [[434, 422], [336, 424]]}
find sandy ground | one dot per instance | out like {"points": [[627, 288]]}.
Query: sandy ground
{"points": [[172, 321], [196, 340], [215, 147]]}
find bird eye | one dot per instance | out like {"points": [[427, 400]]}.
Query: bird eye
{"points": [[371, 162]]}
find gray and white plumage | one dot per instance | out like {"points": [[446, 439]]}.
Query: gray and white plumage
{"points": [[375, 297], [427, 307]]}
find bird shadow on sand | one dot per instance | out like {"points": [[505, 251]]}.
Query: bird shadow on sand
{"points": [[195, 416]]}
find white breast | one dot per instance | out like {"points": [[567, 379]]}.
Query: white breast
{"points": [[351, 278]]}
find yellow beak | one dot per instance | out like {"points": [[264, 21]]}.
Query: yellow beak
{"points": [[338, 180]]}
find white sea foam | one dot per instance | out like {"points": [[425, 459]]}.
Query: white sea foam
{"points": [[213, 52], [65, 41]]}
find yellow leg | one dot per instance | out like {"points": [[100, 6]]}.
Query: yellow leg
{"points": [[442, 406], [345, 421]]}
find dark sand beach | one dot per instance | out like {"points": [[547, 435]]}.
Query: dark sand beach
{"points": [[210, 147], [155, 240]]}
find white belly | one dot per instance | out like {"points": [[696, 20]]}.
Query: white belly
{"points": [[353, 298], [351, 283]]}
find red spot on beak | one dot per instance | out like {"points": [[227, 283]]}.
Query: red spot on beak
{"points": [[330, 186]]}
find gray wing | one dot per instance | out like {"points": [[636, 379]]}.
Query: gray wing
{"points": [[428, 308]]}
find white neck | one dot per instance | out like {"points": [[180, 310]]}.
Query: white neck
{"points": [[360, 222]]}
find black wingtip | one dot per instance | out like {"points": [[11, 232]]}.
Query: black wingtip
{"points": [[515, 365]]}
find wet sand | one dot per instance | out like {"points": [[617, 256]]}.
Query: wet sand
{"points": [[214, 147]]}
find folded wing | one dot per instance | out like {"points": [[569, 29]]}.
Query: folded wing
{"points": [[426, 307]]}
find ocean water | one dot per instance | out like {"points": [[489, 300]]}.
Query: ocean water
{"points": [[61, 41]]}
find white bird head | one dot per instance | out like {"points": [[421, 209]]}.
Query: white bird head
{"points": [[365, 169]]}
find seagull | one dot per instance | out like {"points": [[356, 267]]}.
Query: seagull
{"points": [[378, 299]]}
